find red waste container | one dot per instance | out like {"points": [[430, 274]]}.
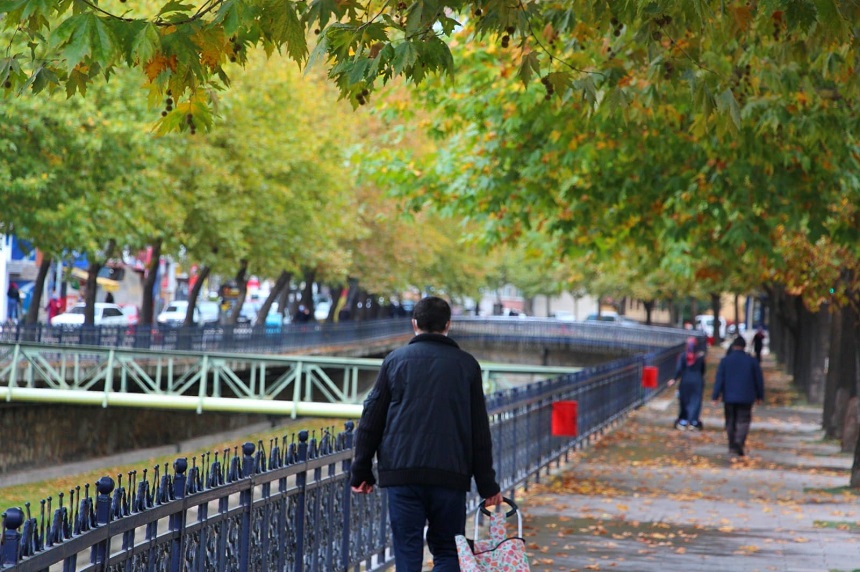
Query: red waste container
{"points": [[564, 418], [649, 377]]}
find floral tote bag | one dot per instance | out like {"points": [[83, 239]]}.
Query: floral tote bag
{"points": [[499, 553]]}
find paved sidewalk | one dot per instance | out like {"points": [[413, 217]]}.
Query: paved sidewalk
{"points": [[648, 497]]}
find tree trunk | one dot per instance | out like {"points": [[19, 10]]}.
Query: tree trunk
{"points": [[363, 300], [335, 294], [675, 317], [649, 308], [92, 285], [353, 296], [776, 329], [150, 281], [813, 345], [784, 336], [737, 315], [308, 291], [38, 288], [715, 306], [242, 285], [280, 284], [855, 469], [529, 306], [841, 384], [284, 301], [90, 293], [194, 295]]}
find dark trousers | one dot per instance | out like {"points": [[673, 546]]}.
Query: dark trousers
{"points": [[690, 397], [738, 419], [443, 510]]}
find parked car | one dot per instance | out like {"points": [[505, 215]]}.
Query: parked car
{"points": [[106, 314], [602, 317], [174, 314], [611, 318]]}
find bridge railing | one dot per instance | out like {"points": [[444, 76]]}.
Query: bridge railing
{"points": [[274, 339], [291, 508], [257, 339]]}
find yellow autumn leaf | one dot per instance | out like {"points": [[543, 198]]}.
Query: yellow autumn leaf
{"points": [[158, 64]]}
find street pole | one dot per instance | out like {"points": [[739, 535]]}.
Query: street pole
{"points": [[4, 276]]}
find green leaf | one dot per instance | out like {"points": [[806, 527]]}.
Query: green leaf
{"points": [[800, 14], [617, 99], [726, 102], [73, 37], [293, 35], [231, 14], [831, 20], [101, 41], [145, 43], [319, 52], [84, 35], [11, 5], [529, 65], [321, 12], [358, 70], [175, 6], [77, 82], [404, 57]]}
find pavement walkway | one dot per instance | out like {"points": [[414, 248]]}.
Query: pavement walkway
{"points": [[648, 497]]}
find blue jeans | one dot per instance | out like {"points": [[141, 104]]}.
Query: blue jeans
{"points": [[410, 507]]}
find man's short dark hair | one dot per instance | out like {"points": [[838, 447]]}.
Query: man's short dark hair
{"points": [[432, 314], [739, 342]]}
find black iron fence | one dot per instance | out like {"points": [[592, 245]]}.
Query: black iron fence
{"points": [[291, 509]]}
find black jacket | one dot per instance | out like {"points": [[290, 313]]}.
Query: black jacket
{"points": [[426, 420], [739, 379]]}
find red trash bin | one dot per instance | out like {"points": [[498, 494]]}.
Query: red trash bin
{"points": [[649, 377], [564, 418]]}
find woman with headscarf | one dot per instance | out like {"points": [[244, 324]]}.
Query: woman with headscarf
{"points": [[690, 374]]}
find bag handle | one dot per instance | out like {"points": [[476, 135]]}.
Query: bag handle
{"points": [[515, 510]]}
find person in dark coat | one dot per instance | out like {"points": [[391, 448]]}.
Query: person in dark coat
{"points": [[690, 374], [758, 344], [426, 422], [740, 383], [14, 301]]}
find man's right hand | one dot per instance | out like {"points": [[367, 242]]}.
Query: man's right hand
{"points": [[363, 488]]}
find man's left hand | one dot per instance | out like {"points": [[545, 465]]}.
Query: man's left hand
{"points": [[493, 500]]}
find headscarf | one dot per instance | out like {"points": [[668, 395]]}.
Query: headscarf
{"points": [[691, 351]]}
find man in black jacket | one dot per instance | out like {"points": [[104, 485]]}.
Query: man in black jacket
{"points": [[740, 383], [426, 421]]}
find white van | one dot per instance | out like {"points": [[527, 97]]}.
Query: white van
{"points": [[705, 322]]}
